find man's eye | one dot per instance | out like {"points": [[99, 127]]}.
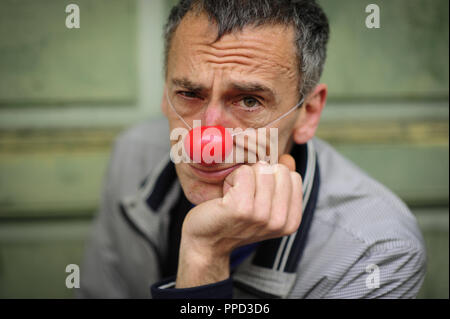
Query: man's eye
{"points": [[188, 94], [249, 102]]}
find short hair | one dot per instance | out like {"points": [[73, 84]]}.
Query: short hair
{"points": [[306, 16]]}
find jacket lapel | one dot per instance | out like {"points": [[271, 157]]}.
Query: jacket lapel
{"points": [[147, 210]]}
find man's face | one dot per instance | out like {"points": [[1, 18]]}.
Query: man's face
{"points": [[255, 71]]}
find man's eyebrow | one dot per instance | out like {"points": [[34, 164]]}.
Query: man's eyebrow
{"points": [[250, 87], [189, 85], [253, 87]]}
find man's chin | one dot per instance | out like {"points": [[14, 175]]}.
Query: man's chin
{"points": [[202, 192], [197, 189]]}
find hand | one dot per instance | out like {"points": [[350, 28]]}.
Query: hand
{"points": [[256, 206]]}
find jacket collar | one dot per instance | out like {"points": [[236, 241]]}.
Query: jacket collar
{"points": [[271, 270]]}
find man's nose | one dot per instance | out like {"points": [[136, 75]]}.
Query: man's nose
{"points": [[214, 114]]}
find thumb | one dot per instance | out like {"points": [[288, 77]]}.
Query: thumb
{"points": [[288, 161]]}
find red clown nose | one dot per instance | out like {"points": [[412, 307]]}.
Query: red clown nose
{"points": [[208, 145]]}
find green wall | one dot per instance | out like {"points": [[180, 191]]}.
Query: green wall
{"points": [[66, 94], [43, 62]]}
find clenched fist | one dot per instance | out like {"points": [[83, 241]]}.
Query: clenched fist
{"points": [[259, 202]]}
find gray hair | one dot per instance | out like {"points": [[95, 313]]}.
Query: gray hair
{"points": [[306, 16]]}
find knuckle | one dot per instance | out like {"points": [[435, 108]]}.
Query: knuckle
{"points": [[258, 165], [297, 178], [244, 169], [276, 223], [262, 217], [291, 228], [280, 168]]}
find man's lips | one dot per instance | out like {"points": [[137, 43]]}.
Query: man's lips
{"points": [[212, 173]]}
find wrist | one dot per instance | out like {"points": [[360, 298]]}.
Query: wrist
{"points": [[200, 265]]}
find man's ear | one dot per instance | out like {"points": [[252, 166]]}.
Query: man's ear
{"points": [[308, 120]]}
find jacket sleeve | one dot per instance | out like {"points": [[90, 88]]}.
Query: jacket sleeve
{"points": [[388, 270], [165, 289], [122, 256], [99, 273], [118, 260]]}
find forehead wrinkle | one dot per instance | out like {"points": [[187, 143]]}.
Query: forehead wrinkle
{"points": [[262, 61], [264, 42], [240, 58], [245, 48]]}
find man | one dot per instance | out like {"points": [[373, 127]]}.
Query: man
{"points": [[314, 227]]}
